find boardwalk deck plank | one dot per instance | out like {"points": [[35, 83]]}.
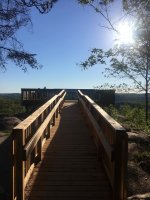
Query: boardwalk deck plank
{"points": [[69, 169]]}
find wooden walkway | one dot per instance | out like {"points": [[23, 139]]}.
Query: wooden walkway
{"points": [[69, 169]]}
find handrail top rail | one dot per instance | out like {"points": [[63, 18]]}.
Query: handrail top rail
{"points": [[30, 119], [31, 143], [113, 123], [33, 89]]}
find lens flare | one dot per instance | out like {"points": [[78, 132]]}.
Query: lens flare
{"points": [[125, 33]]}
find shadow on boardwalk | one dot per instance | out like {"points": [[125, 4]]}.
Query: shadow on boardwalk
{"points": [[69, 169]]}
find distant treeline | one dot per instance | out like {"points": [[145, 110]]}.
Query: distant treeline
{"points": [[130, 98], [10, 104], [16, 96]]}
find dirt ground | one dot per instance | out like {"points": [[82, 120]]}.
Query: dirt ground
{"points": [[138, 166]]}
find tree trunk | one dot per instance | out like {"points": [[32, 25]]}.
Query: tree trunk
{"points": [[146, 107], [146, 91]]}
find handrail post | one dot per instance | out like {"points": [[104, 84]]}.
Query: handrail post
{"points": [[120, 171], [19, 136], [61, 104], [54, 116], [57, 108], [13, 169], [48, 130], [39, 150]]}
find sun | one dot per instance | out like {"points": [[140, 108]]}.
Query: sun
{"points": [[125, 33]]}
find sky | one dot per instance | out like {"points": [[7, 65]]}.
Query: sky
{"points": [[61, 39]]}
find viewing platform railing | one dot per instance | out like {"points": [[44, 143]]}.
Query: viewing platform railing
{"points": [[28, 139], [112, 144]]}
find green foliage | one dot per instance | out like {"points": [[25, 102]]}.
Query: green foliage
{"points": [[13, 16], [125, 61], [95, 2], [134, 5], [112, 111], [97, 56], [134, 117], [130, 61], [143, 156], [10, 106], [84, 1], [119, 88], [22, 59]]}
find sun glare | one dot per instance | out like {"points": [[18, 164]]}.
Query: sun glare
{"points": [[125, 33]]}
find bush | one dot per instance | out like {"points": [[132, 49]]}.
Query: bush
{"points": [[112, 111], [10, 107], [131, 116], [143, 156]]}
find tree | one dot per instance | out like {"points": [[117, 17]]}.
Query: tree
{"points": [[131, 60], [131, 8], [101, 7], [14, 15]]}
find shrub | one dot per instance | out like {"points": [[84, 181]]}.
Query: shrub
{"points": [[143, 156], [132, 116], [10, 107]]}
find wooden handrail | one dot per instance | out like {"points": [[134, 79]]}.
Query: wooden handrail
{"points": [[28, 138], [112, 143], [33, 141], [35, 94]]}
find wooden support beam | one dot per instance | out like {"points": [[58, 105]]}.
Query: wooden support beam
{"points": [[19, 136]]}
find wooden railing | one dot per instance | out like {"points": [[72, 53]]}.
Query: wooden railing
{"points": [[28, 139], [112, 144], [32, 94]]}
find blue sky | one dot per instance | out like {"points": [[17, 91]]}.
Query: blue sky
{"points": [[61, 39]]}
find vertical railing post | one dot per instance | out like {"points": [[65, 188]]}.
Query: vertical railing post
{"points": [[13, 169], [54, 116], [39, 150], [19, 135], [57, 108], [48, 130], [120, 171], [61, 104]]}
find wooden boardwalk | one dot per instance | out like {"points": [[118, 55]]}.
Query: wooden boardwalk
{"points": [[69, 169]]}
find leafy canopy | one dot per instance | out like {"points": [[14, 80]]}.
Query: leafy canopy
{"points": [[14, 15], [130, 60]]}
